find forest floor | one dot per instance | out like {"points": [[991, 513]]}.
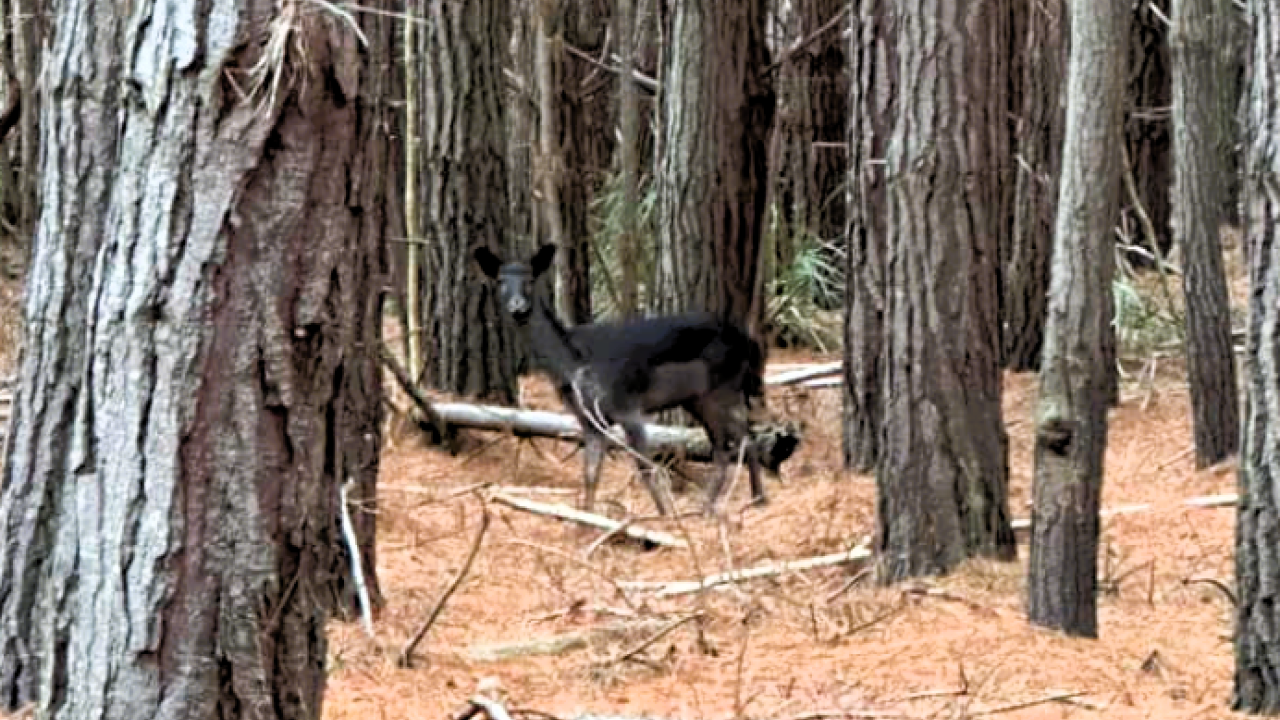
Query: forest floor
{"points": [[808, 644]]}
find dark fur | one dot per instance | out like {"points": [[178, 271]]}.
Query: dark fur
{"points": [[710, 367]]}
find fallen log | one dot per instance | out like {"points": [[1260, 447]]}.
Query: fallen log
{"points": [[564, 512], [775, 441]]}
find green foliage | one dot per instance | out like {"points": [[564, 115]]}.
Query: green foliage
{"points": [[806, 287], [607, 221]]}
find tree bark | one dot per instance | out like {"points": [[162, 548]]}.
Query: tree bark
{"points": [[584, 104], [873, 101], [1202, 121], [199, 374], [1148, 132], [628, 150], [1042, 119], [943, 477], [1071, 411], [1257, 645], [464, 197], [807, 168], [717, 106]]}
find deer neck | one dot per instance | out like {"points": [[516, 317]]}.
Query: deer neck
{"points": [[549, 340]]}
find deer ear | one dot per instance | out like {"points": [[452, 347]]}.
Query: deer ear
{"points": [[489, 263], [542, 259]]}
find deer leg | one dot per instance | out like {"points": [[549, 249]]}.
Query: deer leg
{"points": [[634, 428], [592, 458]]}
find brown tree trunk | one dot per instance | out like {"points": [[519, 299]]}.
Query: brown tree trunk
{"points": [[1071, 412], [1042, 120], [200, 370], [808, 167], [464, 197], [585, 99], [717, 106], [1257, 646], [1202, 122], [628, 251], [943, 475], [1148, 133], [873, 67]]}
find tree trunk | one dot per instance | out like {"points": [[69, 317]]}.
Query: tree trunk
{"points": [[1039, 141], [717, 106], [30, 23], [199, 373], [1071, 412], [873, 69], [1202, 121], [943, 477], [808, 168], [586, 140], [1257, 645], [1147, 128], [628, 251], [464, 197]]}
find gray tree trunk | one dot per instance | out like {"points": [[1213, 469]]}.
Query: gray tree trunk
{"points": [[464, 197], [1042, 117], [1202, 124], [717, 108], [873, 67], [1257, 645], [943, 475], [628, 151], [199, 373], [1071, 411]]}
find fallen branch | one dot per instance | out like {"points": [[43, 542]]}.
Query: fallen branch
{"points": [[406, 655], [1203, 501], [555, 644], [684, 587], [353, 549], [564, 512], [775, 442], [1012, 707], [649, 641], [808, 372]]}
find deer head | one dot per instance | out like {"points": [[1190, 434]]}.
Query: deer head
{"points": [[515, 280]]}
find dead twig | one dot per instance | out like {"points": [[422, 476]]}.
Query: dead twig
{"points": [[437, 423], [1014, 707], [1214, 582], [570, 557], [649, 641], [406, 655]]}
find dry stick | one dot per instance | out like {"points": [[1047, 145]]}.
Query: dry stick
{"points": [[406, 655], [1149, 229], [353, 549], [492, 708], [740, 706], [667, 588], [804, 42], [646, 643], [1222, 587], [441, 428], [564, 512], [1013, 707]]}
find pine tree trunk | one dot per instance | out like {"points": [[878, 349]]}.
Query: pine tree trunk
{"points": [[873, 68], [200, 371], [1148, 132], [1257, 646], [717, 106], [812, 120], [1071, 412], [943, 477], [1202, 122], [464, 197], [586, 138], [1042, 119], [628, 238]]}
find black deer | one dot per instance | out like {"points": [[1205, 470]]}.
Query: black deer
{"points": [[620, 372]]}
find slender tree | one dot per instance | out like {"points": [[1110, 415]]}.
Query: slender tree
{"points": [[628, 150], [717, 108], [872, 99], [465, 204], [1202, 121], [1071, 411], [200, 373], [1257, 646], [943, 473], [1041, 51]]}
